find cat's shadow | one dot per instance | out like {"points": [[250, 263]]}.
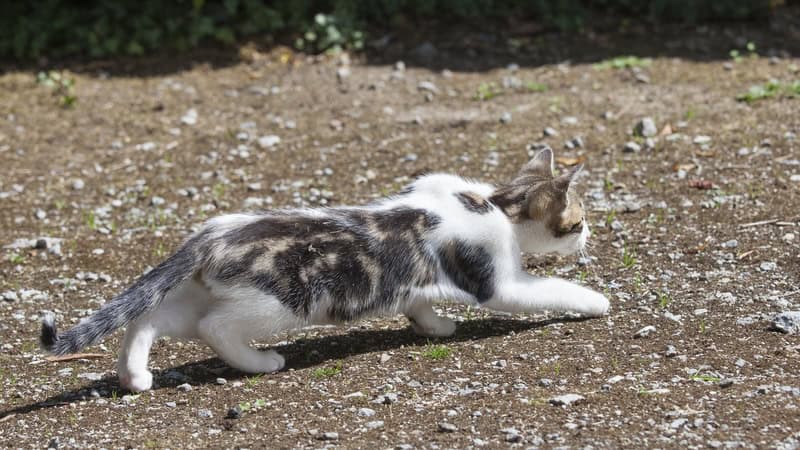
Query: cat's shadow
{"points": [[300, 353]]}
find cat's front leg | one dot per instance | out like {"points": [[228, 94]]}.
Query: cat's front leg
{"points": [[526, 293], [426, 322]]}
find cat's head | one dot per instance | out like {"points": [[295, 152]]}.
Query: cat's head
{"points": [[547, 213]]}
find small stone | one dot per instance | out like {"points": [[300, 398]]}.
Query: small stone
{"points": [[366, 412], [700, 140], [646, 128], [234, 413], [171, 405], [78, 184], [788, 237], [40, 214], [726, 383], [374, 424], [190, 118], [550, 132], [157, 201], [342, 73], [631, 147], [567, 399], [221, 381], [768, 266], [787, 322], [545, 382], [733, 243], [671, 351], [268, 141], [185, 387], [205, 414], [677, 423], [427, 86], [617, 225], [505, 117], [328, 436], [446, 427], [644, 332], [570, 120], [385, 358], [91, 376], [576, 142], [9, 296]]}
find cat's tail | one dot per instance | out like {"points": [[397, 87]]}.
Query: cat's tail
{"points": [[143, 296]]}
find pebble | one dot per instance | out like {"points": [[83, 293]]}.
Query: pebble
{"points": [[329, 436], [550, 132], [570, 120], [234, 413], [374, 424], [768, 266], [366, 412], [631, 147], [733, 243], [40, 214], [427, 86], [384, 358], [644, 332], [447, 427], [646, 128], [185, 387], [700, 140], [576, 142], [787, 322], [190, 118], [795, 177], [505, 117], [221, 381], [78, 184], [9, 296], [671, 351], [545, 382], [205, 414], [788, 237], [566, 399], [268, 141], [171, 405]]}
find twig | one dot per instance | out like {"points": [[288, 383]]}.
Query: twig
{"points": [[75, 356], [760, 222], [8, 417]]}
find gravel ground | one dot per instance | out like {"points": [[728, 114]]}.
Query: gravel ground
{"points": [[693, 197]]}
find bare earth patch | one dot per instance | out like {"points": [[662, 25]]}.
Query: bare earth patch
{"points": [[695, 235]]}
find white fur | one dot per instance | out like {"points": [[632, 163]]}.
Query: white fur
{"points": [[228, 318]]}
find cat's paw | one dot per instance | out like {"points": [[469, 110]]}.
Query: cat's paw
{"points": [[137, 382], [594, 305], [433, 326], [272, 361]]}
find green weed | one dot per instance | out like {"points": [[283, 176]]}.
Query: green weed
{"points": [[770, 89], [628, 257], [487, 91], [437, 352], [61, 85], [663, 299], [533, 86], [327, 372], [16, 259], [91, 220], [623, 62], [252, 381], [707, 378]]}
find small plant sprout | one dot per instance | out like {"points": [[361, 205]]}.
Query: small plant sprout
{"points": [[436, 352], [327, 372], [702, 326], [582, 275], [706, 378], [252, 381], [487, 91], [663, 299], [610, 217], [91, 220], [16, 259], [533, 86], [628, 257], [623, 62], [61, 85]]}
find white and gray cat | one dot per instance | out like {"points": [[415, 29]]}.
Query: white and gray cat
{"points": [[243, 277]]}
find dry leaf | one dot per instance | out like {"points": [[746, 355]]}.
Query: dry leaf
{"points": [[75, 356], [570, 161], [705, 154], [685, 167], [666, 131]]}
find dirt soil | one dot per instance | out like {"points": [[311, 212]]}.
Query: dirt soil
{"points": [[695, 234]]}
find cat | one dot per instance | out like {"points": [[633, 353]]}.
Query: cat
{"points": [[244, 277]]}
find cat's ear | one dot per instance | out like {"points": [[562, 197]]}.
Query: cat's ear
{"points": [[565, 180], [541, 164]]}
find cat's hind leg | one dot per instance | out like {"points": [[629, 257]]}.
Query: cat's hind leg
{"points": [[425, 321], [176, 316], [132, 362], [234, 320]]}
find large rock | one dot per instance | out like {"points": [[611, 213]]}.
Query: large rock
{"points": [[787, 322]]}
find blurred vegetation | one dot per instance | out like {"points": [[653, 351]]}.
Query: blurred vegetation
{"points": [[99, 28]]}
